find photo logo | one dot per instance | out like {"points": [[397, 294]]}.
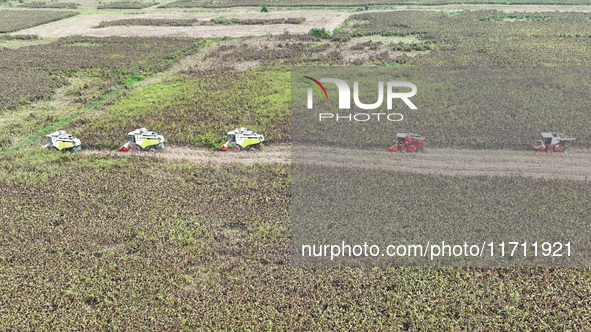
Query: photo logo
{"points": [[316, 88], [344, 92]]}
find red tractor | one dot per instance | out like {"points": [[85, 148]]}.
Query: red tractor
{"points": [[409, 142], [556, 142]]}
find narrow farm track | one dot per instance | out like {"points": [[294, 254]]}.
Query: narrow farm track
{"points": [[575, 165], [84, 25], [271, 154], [315, 18]]}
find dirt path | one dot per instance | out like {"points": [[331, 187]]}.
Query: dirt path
{"points": [[329, 19], [83, 24], [575, 165], [272, 154]]}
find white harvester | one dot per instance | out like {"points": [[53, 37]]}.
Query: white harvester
{"points": [[243, 139], [143, 140], [62, 141]]}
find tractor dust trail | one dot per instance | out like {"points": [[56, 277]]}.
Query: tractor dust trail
{"points": [[575, 165]]}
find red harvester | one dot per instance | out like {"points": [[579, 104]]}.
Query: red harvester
{"points": [[556, 142], [409, 142]]}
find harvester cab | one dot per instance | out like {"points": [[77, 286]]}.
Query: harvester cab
{"points": [[553, 141], [243, 139], [62, 141], [143, 140], [409, 142]]}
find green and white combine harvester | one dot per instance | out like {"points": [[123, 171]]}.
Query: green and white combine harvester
{"points": [[143, 140], [62, 141], [243, 140]]}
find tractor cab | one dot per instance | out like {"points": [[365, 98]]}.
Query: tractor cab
{"points": [[551, 138]]}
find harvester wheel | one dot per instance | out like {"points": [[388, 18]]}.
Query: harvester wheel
{"points": [[236, 148], [152, 151], [251, 149], [136, 149]]}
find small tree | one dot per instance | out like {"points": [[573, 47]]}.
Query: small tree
{"points": [[321, 33], [264, 8]]}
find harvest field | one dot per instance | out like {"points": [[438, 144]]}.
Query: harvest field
{"points": [[192, 238], [221, 20], [487, 38], [163, 23], [366, 39], [125, 5], [15, 20], [361, 5], [97, 65], [109, 252]]}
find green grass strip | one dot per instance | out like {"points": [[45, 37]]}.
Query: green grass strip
{"points": [[36, 136], [132, 81]]}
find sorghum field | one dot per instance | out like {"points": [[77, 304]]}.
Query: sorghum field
{"points": [[102, 240], [221, 20], [139, 243], [54, 5], [15, 20], [125, 5], [100, 65], [362, 5], [555, 40]]}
